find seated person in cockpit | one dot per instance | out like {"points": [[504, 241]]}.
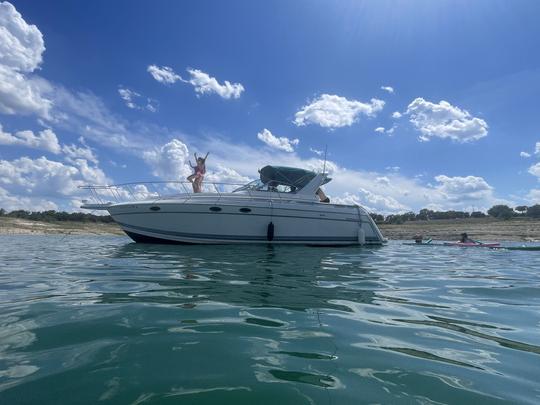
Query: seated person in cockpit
{"points": [[272, 186]]}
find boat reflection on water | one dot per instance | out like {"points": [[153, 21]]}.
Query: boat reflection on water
{"points": [[288, 277], [267, 302]]}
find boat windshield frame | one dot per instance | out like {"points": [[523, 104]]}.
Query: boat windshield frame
{"points": [[258, 185]]}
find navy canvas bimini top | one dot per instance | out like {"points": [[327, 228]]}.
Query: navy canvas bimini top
{"points": [[289, 176]]}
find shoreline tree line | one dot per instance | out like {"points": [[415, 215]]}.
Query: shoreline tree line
{"points": [[54, 216], [497, 211]]}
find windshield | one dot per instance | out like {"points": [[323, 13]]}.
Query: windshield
{"points": [[258, 185]]}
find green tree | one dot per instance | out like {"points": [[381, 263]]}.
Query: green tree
{"points": [[424, 214], [378, 218], [501, 211], [478, 214], [534, 211]]}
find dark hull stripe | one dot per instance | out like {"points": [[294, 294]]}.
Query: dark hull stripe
{"points": [[251, 238], [140, 238]]}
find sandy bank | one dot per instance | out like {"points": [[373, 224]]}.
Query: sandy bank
{"points": [[13, 226], [484, 229]]}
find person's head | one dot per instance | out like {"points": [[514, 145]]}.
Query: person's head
{"points": [[464, 235], [200, 160]]}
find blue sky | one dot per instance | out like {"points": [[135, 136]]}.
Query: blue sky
{"points": [[110, 92]]}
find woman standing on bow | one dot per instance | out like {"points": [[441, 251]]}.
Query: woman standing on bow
{"points": [[197, 177]]}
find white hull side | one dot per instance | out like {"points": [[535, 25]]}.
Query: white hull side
{"points": [[194, 222]]}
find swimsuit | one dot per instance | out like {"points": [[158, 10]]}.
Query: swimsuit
{"points": [[200, 171]]}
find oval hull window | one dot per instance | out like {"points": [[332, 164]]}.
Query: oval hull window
{"points": [[155, 208], [245, 210], [215, 209]]}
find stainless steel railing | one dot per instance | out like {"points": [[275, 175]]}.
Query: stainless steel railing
{"points": [[145, 190]]}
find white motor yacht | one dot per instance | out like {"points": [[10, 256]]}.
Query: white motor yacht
{"points": [[285, 205]]}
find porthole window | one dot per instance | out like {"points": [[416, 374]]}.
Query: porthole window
{"points": [[215, 209], [245, 209], [155, 208]]}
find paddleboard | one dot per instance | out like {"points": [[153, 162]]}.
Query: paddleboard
{"points": [[487, 245], [422, 244], [472, 244]]}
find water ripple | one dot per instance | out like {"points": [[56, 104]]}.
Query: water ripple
{"points": [[102, 319]]}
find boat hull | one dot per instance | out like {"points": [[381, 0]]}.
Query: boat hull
{"points": [[248, 222]]}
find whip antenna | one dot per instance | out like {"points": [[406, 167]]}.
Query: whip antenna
{"points": [[324, 165]]}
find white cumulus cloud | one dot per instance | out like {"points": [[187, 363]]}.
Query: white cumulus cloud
{"points": [[202, 82], [382, 130], [163, 74], [11, 202], [464, 188], [44, 140], [444, 120], [47, 140], [73, 152], [281, 143], [223, 174], [533, 196], [388, 89], [21, 44], [396, 115], [537, 148], [21, 49], [206, 84], [47, 178], [535, 170], [23, 94], [169, 161], [128, 96], [132, 100], [332, 111], [524, 154], [373, 202]]}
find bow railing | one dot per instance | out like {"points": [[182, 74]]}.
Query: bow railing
{"points": [[136, 191]]}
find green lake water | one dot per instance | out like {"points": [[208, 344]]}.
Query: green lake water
{"points": [[87, 320]]}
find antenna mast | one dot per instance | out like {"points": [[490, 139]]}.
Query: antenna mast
{"points": [[324, 165]]}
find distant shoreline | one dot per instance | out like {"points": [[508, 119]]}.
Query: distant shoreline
{"points": [[17, 226], [484, 229]]}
